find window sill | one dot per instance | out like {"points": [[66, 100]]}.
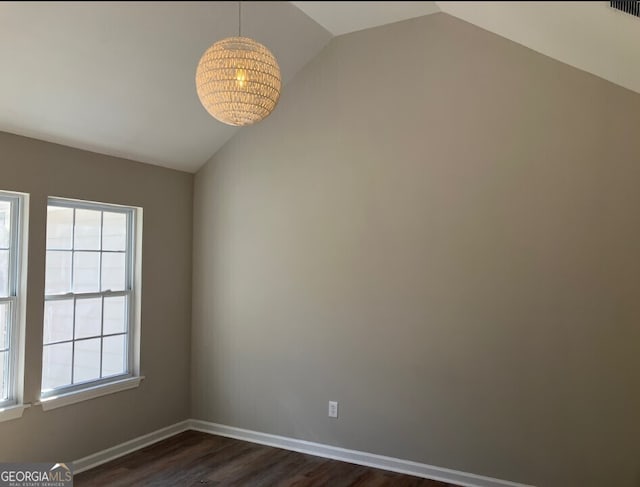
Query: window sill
{"points": [[61, 400], [8, 413]]}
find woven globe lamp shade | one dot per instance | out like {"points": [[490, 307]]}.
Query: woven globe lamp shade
{"points": [[238, 81]]}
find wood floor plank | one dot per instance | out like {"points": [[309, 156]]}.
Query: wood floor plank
{"points": [[195, 459]]}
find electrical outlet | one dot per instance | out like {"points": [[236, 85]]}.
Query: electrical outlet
{"points": [[333, 409]]}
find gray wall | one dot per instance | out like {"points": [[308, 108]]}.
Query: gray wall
{"points": [[69, 433], [440, 229]]}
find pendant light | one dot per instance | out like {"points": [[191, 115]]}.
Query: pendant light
{"points": [[238, 79]]}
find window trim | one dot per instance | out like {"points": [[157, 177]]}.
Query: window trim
{"points": [[72, 393], [94, 390], [7, 413], [12, 407]]}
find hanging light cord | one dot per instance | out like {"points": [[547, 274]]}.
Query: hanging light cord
{"points": [[239, 18]]}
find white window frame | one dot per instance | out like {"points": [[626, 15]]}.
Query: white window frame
{"points": [[69, 394], [12, 407]]}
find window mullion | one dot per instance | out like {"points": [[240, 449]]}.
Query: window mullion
{"points": [[14, 217], [73, 339], [11, 357], [100, 287], [101, 336], [129, 248], [73, 247], [106, 294]]}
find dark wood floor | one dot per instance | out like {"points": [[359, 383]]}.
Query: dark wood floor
{"points": [[199, 459]]}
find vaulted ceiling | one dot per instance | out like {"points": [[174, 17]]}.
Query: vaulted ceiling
{"points": [[118, 77]]}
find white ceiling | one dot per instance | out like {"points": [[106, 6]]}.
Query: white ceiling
{"points": [[587, 35], [344, 17], [118, 77]]}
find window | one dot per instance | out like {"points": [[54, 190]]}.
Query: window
{"points": [[89, 296], [10, 297]]}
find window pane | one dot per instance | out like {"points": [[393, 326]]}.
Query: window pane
{"points": [[114, 231], [4, 273], [4, 392], [58, 273], [59, 227], [56, 366], [4, 325], [114, 315], [5, 224], [86, 272], [113, 271], [114, 351], [87, 230], [58, 320], [86, 360], [88, 317]]}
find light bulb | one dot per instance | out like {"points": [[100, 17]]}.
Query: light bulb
{"points": [[241, 77]]}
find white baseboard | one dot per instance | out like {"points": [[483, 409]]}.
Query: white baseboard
{"points": [[127, 447], [423, 470]]}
